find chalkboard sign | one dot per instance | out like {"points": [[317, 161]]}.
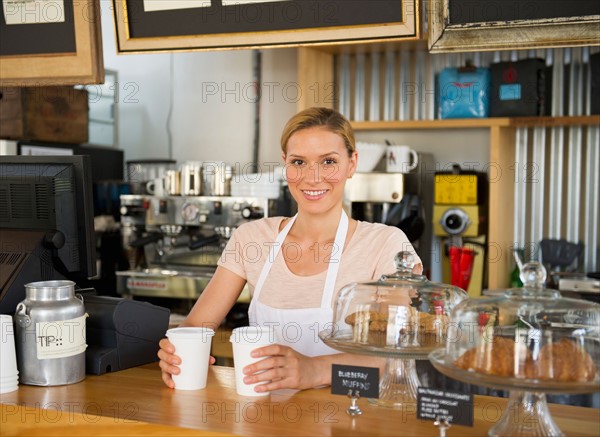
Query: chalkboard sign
{"points": [[355, 381], [467, 25], [50, 43], [434, 404], [155, 25]]}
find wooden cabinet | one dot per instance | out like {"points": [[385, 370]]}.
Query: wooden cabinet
{"points": [[54, 114], [316, 74]]}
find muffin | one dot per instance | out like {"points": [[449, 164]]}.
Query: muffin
{"points": [[399, 326]]}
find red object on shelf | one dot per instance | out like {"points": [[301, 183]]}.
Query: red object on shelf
{"points": [[455, 265], [461, 266]]}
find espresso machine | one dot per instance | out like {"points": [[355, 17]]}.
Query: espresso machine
{"points": [[404, 200], [173, 243]]}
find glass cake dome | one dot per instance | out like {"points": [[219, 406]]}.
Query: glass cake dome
{"points": [[530, 341], [401, 316]]}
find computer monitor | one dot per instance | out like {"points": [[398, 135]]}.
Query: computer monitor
{"points": [[46, 223]]}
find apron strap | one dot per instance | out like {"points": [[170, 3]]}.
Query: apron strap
{"points": [[334, 261], [273, 252]]}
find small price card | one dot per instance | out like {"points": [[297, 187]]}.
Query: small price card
{"points": [[455, 407], [364, 380]]}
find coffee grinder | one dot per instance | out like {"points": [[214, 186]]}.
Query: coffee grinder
{"points": [[403, 200], [459, 218]]}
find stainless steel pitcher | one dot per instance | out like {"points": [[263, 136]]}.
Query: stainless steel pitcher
{"points": [[216, 177], [191, 179], [50, 334]]}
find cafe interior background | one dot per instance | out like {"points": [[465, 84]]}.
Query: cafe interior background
{"points": [[184, 149], [161, 112], [194, 107]]}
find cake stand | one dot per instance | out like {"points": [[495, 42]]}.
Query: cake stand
{"points": [[527, 411], [398, 385], [401, 317]]}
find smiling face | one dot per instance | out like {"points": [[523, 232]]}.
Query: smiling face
{"points": [[317, 166]]}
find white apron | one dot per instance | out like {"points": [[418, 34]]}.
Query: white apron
{"points": [[299, 328]]}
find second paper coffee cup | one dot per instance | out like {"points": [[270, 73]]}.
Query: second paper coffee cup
{"points": [[244, 340]]}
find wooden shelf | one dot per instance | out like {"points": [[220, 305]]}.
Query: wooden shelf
{"points": [[478, 123]]}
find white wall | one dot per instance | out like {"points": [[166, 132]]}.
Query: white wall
{"points": [[211, 96]]}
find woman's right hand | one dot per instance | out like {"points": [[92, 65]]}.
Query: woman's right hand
{"points": [[169, 362]]}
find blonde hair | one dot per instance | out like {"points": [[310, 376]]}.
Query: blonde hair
{"points": [[327, 118]]}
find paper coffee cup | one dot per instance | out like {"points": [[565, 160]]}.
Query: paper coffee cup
{"points": [[192, 345], [244, 340]]}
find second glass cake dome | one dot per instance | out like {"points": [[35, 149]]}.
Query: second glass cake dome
{"points": [[530, 341], [530, 337], [402, 314]]}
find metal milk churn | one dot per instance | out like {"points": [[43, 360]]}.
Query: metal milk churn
{"points": [[50, 334]]}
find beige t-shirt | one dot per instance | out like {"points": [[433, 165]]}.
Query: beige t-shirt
{"points": [[368, 255]]}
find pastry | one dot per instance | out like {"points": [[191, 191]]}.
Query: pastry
{"points": [[368, 327], [563, 361], [496, 357], [372, 316], [399, 326]]}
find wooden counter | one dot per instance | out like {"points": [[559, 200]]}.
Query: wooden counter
{"points": [[18, 420], [136, 402]]}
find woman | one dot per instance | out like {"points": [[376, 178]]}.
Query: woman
{"points": [[293, 266]]}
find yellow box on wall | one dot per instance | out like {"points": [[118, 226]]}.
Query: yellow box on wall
{"points": [[456, 189]]}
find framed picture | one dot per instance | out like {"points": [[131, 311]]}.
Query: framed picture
{"points": [[467, 25], [171, 25], [50, 42]]}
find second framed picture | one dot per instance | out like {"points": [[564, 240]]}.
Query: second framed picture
{"points": [[184, 25], [467, 25]]}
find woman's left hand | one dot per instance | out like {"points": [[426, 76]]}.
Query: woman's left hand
{"points": [[283, 367]]}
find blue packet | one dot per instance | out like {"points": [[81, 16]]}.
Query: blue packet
{"points": [[464, 92]]}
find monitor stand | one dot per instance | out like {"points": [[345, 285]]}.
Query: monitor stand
{"points": [[23, 259]]}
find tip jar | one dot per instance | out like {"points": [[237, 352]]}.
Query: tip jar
{"points": [[50, 334]]}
